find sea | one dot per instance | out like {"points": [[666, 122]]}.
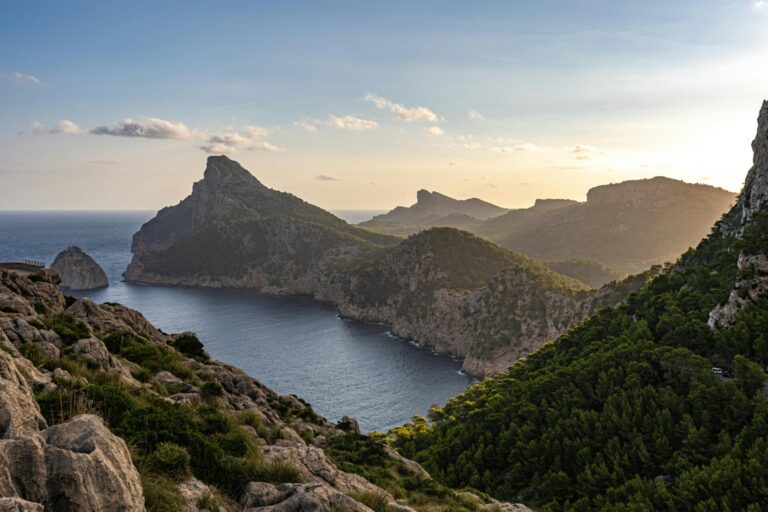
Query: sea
{"points": [[292, 344]]}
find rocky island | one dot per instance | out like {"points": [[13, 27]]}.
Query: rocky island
{"points": [[78, 271]]}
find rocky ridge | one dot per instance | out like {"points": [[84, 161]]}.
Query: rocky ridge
{"points": [[79, 380], [78, 271]]}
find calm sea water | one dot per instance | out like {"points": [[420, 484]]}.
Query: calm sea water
{"points": [[292, 344]]}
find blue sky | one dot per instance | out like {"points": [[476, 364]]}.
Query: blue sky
{"points": [[358, 104]]}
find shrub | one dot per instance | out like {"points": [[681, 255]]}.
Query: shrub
{"points": [[67, 327], [189, 345], [378, 501], [170, 459], [279, 472], [160, 494]]}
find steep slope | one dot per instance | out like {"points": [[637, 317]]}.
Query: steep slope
{"points": [[234, 231], [461, 295], [80, 383], [447, 289], [587, 271], [625, 412], [628, 226]]}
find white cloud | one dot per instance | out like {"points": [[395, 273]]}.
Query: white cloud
{"points": [[255, 132], [35, 128], [402, 112], [761, 4], [586, 152], [515, 148], [21, 78], [309, 125], [434, 130], [351, 123], [232, 141], [65, 126], [475, 115], [152, 128], [325, 177]]}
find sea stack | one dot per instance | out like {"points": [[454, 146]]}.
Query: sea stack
{"points": [[78, 271]]}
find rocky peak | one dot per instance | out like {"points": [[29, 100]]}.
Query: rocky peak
{"points": [[755, 191], [222, 171], [423, 196]]}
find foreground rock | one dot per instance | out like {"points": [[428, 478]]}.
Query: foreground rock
{"points": [[78, 270]]}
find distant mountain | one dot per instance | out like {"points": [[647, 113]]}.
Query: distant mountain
{"points": [[628, 226], [446, 288], [433, 209]]}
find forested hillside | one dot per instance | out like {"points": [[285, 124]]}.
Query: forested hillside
{"points": [[625, 411]]}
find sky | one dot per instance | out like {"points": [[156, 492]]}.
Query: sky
{"points": [[357, 105]]}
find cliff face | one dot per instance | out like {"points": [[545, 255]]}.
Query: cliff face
{"points": [[78, 271], [752, 284], [81, 383]]}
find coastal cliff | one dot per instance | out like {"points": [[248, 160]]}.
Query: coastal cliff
{"points": [[444, 288], [81, 382]]}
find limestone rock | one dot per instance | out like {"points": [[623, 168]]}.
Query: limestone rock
{"points": [[79, 271], [94, 351], [19, 505], [264, 497], [78, 465], [19, 412]]}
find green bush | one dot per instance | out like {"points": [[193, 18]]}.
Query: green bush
{"points": [[67, 327], [170, 459], [189, 345]]}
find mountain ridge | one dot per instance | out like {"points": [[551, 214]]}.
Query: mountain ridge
{"points": [[235, 232]]}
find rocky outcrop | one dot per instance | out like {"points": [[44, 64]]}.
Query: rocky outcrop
{"points": [[78, 465], [264, 497], [752, 282], [78, 270], [755, 191]]}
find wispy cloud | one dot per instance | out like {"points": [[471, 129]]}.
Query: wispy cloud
{"points": [[231, 141], [434, 130], [65, 126], [325, 177], [761, 4], [586, 152], [309, 125], [21, 78], [475, 115], [152, 128], [403, 113], [351, 123]]}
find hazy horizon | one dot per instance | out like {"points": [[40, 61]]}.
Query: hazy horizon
{"points": [[106, 108]]}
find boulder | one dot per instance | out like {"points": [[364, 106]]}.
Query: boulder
{"points": [[78, 465], [78, 271], [93, 350]]}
